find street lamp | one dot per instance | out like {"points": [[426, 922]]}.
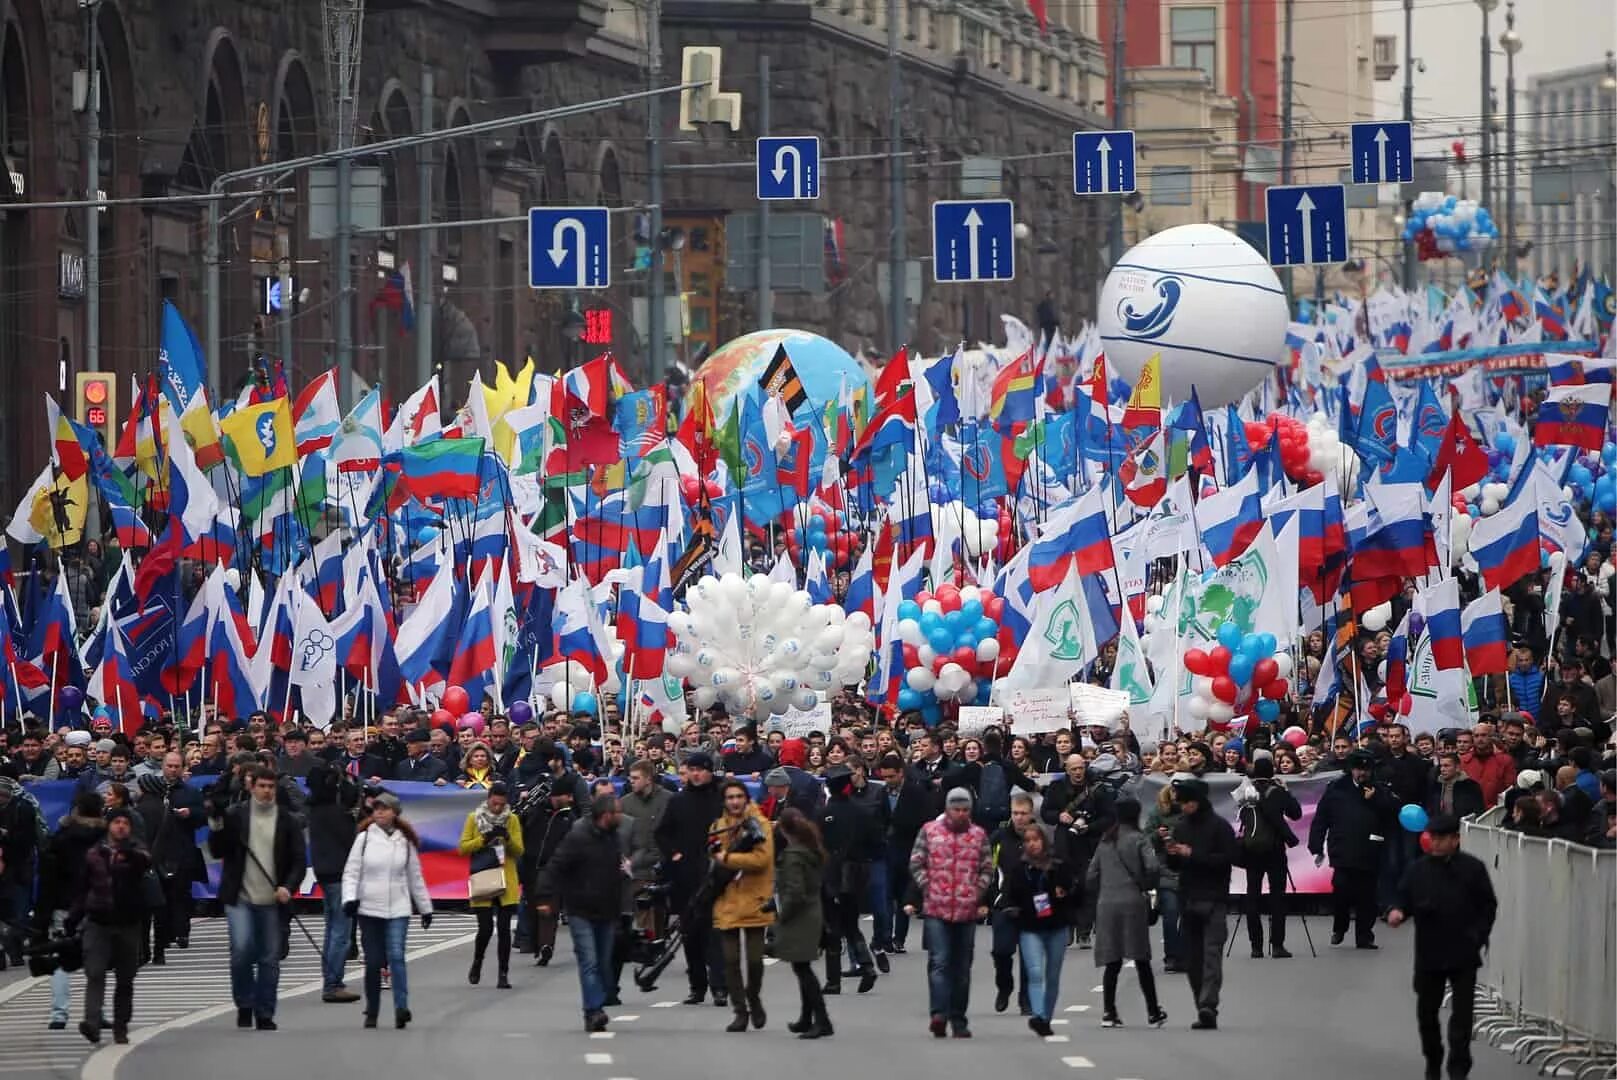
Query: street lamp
{"points": [[1487, 7], [1511, 42], [1608, 91]]}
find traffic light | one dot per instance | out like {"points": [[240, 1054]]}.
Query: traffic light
{"points": [[97, 404]]}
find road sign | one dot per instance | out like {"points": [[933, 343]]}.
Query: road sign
{"points": [[972, 240], [569, 247], [1383, 153], [1307, 224], [789, 168], [1102, 162]]}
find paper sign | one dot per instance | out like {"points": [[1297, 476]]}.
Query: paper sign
{"points": [[1033, 712], [796, 724], [976, 719], [1098, 705]]}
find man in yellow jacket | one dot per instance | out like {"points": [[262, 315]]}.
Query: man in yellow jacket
{"points": [[743, 847]]}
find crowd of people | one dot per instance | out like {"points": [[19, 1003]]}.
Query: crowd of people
{"points": [[758, 844]]}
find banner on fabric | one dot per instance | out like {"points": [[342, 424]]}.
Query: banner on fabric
{"points": [[1096, 705], [798, 723], [1033, 712], [976, 719], [1440, 698]]}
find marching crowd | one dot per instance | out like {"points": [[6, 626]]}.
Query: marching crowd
{"points": [[755, 844]]}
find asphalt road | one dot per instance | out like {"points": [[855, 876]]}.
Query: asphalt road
{"points": [[1344, 1014]]}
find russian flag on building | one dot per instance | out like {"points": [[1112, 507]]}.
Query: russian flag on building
{"points": [[1230, 518], [1441, 604], [1506, 545], [1486, 635], [1075, 533]]}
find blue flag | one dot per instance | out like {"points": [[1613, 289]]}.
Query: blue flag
{"points": [[180, 360]]}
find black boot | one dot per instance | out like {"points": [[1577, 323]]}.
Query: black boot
{"points": [[370, 1019], [504, 982], [1004, 983], [401, 1017], [755, 1008], [475, 975], [739, 1023]]}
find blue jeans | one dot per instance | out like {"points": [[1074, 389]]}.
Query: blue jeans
{"points": [[335, 955], [1172, 950], [948, 967], [592, 946], [255, 956], [881, 906], [1042, 953], [383, 940]]}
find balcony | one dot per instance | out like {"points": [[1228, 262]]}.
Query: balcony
{"points": [[1386, 56]]}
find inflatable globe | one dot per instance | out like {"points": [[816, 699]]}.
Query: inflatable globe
{"points": [[823, 366], [1207, 301]]}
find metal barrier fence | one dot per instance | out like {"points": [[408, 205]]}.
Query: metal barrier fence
{"points": [[1547, 993]]}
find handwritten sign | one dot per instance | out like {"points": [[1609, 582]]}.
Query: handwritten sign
{"points": [[976, 719], [1098, 705], [1033, 712], [796, 724]]}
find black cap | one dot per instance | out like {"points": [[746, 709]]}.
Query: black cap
{"points": [[838, 776], [295, 734], [1191, 790], [1361, 759], [1441, 824], [118, 812], [700, 760], [419, 735]]}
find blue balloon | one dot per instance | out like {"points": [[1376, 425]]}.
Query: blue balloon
{"points": [[1505, 443], [909, 609], [985, 690], [1268, 711], [1267, 645], [584, 702], [954, 620], [1579, 475], [931, 622], [932, 712], [819, 542], [966, 639], [1251, 644], [1608, 454], [987, 628], [1241, 666], [908, 699], [1229, 636], [1412, 818], [971, 610], [940, 640]]}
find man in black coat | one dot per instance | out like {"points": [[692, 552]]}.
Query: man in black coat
{"points": [[1265, 838], [419, 765], [1408, 777], [909, 804], [359, 762], [1081, 809], [110, 906], [259, 845], [295, 757], [172, 814], [1449, 896], [1202, 850], [332, 799], [682, 836], [587, 874], [748, 758], [20, 830], [852, 838], [1354, 817], [1452, 791]]}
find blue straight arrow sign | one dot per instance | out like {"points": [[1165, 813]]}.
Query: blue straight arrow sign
{"points": [[973, 240], [1102, 162], [1307, 224], [1383, 153]]}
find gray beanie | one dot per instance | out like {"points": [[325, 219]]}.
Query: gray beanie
{"points": [[958, 797], [777, 778]]}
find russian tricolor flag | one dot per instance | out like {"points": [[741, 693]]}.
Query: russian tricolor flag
{"points": [[1441, 604], [1486, 635], [1230, 518], [861, 594], [642, 622], [1575, 413], [1398, 543], [1075, 533], [475, 662], [1398, 661], [1505, 544]]}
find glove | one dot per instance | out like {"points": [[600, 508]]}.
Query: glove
{"points": [[1319, 860], [350, 908], [426, 920]]}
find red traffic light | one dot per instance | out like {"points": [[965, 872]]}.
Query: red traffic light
{"points": [[95, 391]]}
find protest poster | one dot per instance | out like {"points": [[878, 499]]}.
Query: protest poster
{"points": [[976, 719], [1097, 705], [1033, 712]]}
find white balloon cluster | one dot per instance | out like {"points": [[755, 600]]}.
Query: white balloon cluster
{"points": [[1326, 454], [978, 535], [761, 647]]}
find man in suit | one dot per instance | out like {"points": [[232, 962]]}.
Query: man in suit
{"points": [[419, 764], [910, 805], [358, 762]]}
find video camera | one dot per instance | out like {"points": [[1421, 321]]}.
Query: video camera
{"points": [[57, 951]]}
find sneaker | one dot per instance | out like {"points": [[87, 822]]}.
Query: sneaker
{"points": [[545, 953], [1157, 1017], [90, 1031], [596, 1021], [1365, 945], [244, 1018], [1086, 941], [57, 1025], [938, 1026], [959, 1030], [721, 999], [1205, 1021], [696, 997], [266, 1023], [1280, 952], [897, 948], [1040, 1027], [882, 964], [1337, 938], [1111, 1020], [340, 996]]}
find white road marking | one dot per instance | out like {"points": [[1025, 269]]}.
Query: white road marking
{"points": [[625, 1018], [1057, 1038], [598, 1059], [1097, 989], [1058, 1023], [665, 1004], [1076, 1009], [603, 1034], [515, 1035], [1077, 1063], [771, 961]]}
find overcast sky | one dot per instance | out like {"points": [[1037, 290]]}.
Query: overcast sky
{"points": [[1555, 34]]}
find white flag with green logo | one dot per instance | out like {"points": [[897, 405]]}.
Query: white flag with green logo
{"points": [[1131, 673], [1060, 642]]}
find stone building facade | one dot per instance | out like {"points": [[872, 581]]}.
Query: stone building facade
{"points": [[190, 91]]}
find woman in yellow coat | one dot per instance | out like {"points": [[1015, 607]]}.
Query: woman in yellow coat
{"points": [[743, 844], [492, 826]]}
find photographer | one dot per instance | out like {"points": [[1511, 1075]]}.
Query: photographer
{"points": [[682, 837], [172, 814], [547, 814], [1082, 810], [1264, 807], [1353, 819], [742, 846]]}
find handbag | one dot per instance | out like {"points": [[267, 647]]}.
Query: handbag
{"points": [[1153, 910], [151, 891], [487, 875]]}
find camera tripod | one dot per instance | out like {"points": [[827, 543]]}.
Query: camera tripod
{"points": [[1291, 890]]}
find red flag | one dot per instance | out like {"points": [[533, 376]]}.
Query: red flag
{"points": [[890, 383], [1039, 13], [1458, 454]]}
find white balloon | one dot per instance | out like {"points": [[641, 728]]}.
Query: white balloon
{"points": [[925, 654], [1376, 619], [1490, 506], [1197, 707], [988, 650], [1202, 685], [969, 593], [968, 692], [933, 606], [920, 680], [704, 697], [560, 697], [804, 700], [1220, 711], [909, 632], [1283, 664], [1496, 491], [1471, 491], [1153, 603]]}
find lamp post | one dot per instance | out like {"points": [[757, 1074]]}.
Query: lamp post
{"points": [[1511, 42], [1608, 93], [1487, 7]]}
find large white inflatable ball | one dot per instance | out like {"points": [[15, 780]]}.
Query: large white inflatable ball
{"points": [[1207, 301]]}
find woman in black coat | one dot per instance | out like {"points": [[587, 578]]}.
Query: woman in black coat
{"points": [[800, 918]]}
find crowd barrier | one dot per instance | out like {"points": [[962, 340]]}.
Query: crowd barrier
{"points": [[1547, 992]]}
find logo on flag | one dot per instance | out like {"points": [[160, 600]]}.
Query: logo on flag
{"points": [[1155, 321], [313, 649], [977, 461], [266, 434], [1063, 634]]}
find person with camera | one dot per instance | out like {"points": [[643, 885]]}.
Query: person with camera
{"points": [[1352, 821], [644, 804], [952, 869], [61, 870], [20, 829], [800, 917], [1079, 805], [682, 838], [1263, 811], [741, 845], [585, 878], [493, 830], [547, 814], [260, 848], [333, 799], [852, 837], [382, 885], [172, 814], [111, 905], [1202, 851]]}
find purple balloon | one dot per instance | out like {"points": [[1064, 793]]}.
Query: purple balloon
{"points": [[519, 713], [69, 699]]}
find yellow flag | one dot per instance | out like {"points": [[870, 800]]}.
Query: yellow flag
{"points": [[1145, 404], [201, 431], [261, 437], [497, 398], [59, 509]]}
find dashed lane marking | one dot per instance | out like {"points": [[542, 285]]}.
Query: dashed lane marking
{"points": [[597, 1059], [1077, 1063]]}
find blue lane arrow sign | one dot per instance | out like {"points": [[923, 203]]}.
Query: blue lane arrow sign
{"points": [[1102, 162], [789, 168], [1383, 153], [1307, 224], [973, 240], [567, 247]]}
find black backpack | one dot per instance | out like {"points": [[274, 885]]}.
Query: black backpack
{"points": [[1259, 837], [994, 794]]}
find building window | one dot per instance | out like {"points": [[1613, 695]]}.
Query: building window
{"points": [[972, 41], [1170, 185], [1193, 34]]}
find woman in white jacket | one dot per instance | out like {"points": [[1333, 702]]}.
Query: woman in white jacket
{"points": [[382, 885]]}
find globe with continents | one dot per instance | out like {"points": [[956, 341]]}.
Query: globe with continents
{"points": [[826, 370]]}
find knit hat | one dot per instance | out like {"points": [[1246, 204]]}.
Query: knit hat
{"points": [[777, 778], [118, 812], [793, 752], [389, 800], [700, 760], [79, 738], [958, 797], [1192, 791], [105, 746]]}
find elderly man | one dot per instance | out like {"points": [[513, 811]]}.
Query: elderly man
{"points": [[1490, 767]]}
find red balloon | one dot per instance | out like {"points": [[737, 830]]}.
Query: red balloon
{"points": [[965, 656], [922, 597], [1276, 689], [1007, 656], [1312, 477], [1196, 662], [456, 701], [994, 607], [1426, 842], [1256, 434], [690, 487], [442, 718], [1225, 690], [1264, 671], [713, 490], [938, 662], [911, 658], [949, 597], [1219, 657]]}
